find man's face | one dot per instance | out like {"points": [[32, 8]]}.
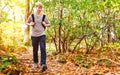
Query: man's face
{"points": [[39, 9]]}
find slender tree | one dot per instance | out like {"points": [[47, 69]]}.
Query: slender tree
{"points": [[27, 29]]}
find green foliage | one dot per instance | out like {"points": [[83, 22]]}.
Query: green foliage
{"points": [[4, 16], [75, 17], [78, 17], [10, 65], [4, 64], [61, 59], [82, 17], [79, 59], [10, 28], [7, 60], [114, 46], [104, 62], [108, 63], [11, 37]]}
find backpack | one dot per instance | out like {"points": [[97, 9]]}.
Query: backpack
{"points": [[43, 18]]}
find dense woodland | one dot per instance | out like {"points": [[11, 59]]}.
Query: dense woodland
{"points": [[83, 39]]}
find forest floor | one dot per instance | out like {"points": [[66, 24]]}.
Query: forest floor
{"points": [[68, 68]]}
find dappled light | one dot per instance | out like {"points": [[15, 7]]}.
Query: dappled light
{"points": [[80, 37]]}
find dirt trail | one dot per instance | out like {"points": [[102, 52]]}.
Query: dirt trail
{"points": [[54, 68]]}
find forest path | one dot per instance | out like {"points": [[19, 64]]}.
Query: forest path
{"points": [[54, 67]]}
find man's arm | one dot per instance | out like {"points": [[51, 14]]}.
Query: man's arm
{"points": [[45, 24], [29, 21]]}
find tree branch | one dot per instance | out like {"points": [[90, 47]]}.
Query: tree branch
{"points": [[98, 59]]}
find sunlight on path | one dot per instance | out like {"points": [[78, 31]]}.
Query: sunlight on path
{"points": [[55, 68]]}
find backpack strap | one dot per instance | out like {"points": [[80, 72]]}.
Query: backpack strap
{"points": [[43, 20], [33, 18]]}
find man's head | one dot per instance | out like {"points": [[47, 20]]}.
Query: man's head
{"points": [[39, 6]]}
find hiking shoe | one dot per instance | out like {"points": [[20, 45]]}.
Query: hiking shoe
{"points": [[35, 65], [43, 68]]}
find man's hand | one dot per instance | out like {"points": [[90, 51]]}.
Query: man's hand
{"points": [[43, 23], [32, 24]]}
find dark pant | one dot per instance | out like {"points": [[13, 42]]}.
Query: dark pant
{"points": [[35, 43]]}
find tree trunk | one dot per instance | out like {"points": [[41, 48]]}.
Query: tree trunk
{"points": [[27, 29], [60, 27]]}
